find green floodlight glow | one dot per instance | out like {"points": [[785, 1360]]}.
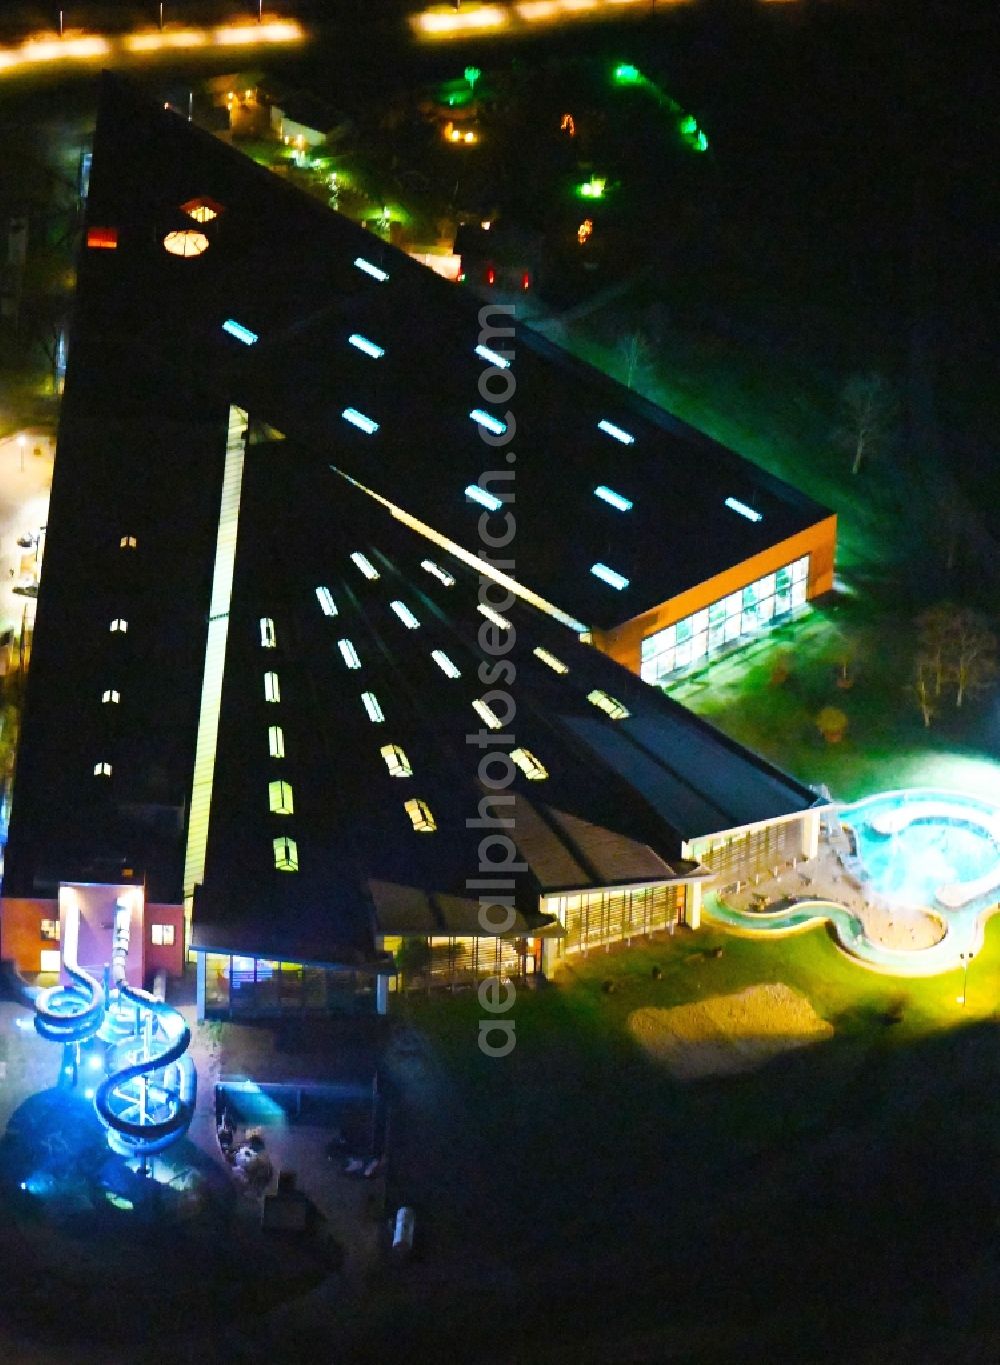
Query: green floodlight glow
{"points": [[593, 188], [472, 74], [688, 125], [627, 74], [701, 143]]}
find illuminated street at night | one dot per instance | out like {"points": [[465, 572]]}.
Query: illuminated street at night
{"points": [[499, 682]]}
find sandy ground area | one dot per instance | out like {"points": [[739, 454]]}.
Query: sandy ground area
{"points": [[728, 1033]]}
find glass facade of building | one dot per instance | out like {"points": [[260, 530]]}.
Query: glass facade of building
{"points": [[254, 988], [724, 622]]}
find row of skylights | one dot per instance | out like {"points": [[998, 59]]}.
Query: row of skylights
{"points": [[363, 563], [268, 639], [326, 602], [494, 357], [372, 270], [349, 653], [358, 419], [611, 576], [368, 347], [449, 669], [405, 615], [555, 664], [487, 420], [614, 499], [440, 574], [610, 429], [735, 505], [241, 333], [488, 500], [396, 761], [608, 704], [375, 713], [420, 816], [500, 621]]}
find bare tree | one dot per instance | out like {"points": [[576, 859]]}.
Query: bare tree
{"points": [[935, 625], [868, 413], [637, 358], [923, 686], [957, 647]]}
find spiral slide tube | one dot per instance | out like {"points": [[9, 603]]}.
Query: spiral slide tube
{"points": [[71, 1013]]}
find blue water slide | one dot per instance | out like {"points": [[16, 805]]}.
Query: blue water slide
{"points": [[73, 1012]]}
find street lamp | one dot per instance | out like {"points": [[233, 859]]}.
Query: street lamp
{"points": [[965, 959]]}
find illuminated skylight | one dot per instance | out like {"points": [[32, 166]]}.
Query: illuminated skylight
{"points": [[241, 333], [286, 855], [494, 616], [735, 505], [430, 567], [275, 741], [326, 602], [102, 769], [494, 357], [445, 664], [363, 344], [617, 581], [420, 816], [488, 421], [272, 689], [529, 764], [488, 500], [555, 664], [279, 797], [609, 427], [614, 499], [364, 564], [111, 694], [370, 269], [201, 210], [405, 615], [118, 626], [370, 703], [127, 543], [487, 715], [185, 242], [358, 419], [609, 705], [349, 653], [268, 639], [396, 761]]}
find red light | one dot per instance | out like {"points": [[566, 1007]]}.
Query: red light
{"points": [[491, 275], [525, 281], [105, 238]]}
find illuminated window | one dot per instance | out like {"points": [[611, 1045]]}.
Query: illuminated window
{"points": [[102, 769], [529, 764], [370, 702], [445, 664], [735, 505], [279, 797], [202, 210], [162, 935], [241, 333], [363, 563], [102, 238], [487, 420], [362, 344], [487, 715], [611, 430], [127, 543], [396, 761], [358, 419], [494, 357], [500, 621], [370, 269], [555, 664], [118, 626], [614, 499], [49, 960], [286, 855], [50, 930], [326, 602], [612, 576], [111, 694], [485, 499], [186, 242], [420, 816], [405, 615], [349, 654], [440, 574], [609, 705], [272, 691], [268, 639], [276, 741]]}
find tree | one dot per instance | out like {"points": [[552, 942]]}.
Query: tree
{"points": [[923, 686], [413, 957], [637, 359], [868, 413], [974, 666], [832, 724], [957, 647]]}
